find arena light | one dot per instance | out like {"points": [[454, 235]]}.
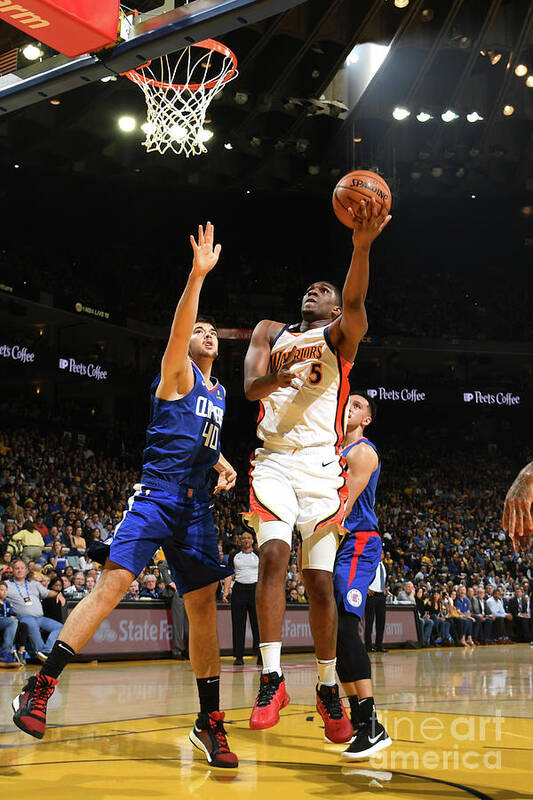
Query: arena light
{"points": [[423, 116], [437, 172], [401, 3], [474, 117], [228, 145], [127, 124], [508, 111], [148, 128], [529, 81], [449, 115], [520, 70], [205, 135], [32, 52], [400, 113], [178, 132]]}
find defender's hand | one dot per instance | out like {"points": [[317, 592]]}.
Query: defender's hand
{"points": [[368, 228], [226, 479], [205, 257]]}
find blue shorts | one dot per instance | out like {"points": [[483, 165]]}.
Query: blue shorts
{"points": [[355, 567], [179, 520]]}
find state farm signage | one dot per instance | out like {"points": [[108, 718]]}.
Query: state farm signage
{"points": [[132, 630]]}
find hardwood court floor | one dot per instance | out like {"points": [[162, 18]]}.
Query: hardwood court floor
{"points": [[460, 721]]}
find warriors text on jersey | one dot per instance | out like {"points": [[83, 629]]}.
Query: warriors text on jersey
{"points": [[183, 436], [315, 414]]}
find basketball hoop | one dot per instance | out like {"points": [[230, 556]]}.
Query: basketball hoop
{"points": [[176, 111]]}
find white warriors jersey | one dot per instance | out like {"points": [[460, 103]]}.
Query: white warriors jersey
{"points": [[315, 414]]}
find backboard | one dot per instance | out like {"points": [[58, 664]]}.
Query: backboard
{"points": [[169, 27]]}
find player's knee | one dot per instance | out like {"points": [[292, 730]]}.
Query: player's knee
{"points": [[113, 583], [319, 585], [200, 601], [274, 557]]}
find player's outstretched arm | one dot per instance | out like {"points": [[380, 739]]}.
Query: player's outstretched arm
{"points": [[176, 371], [258, 381], [347, 331], [361, 462], [517, 509]]}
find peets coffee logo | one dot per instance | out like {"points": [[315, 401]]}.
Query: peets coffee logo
{"points": [[90, 370], [498, 399], [17, 353], [403, 395], [372, 187]]}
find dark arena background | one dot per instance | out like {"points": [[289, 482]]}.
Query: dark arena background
{"points": [[94, 255]]}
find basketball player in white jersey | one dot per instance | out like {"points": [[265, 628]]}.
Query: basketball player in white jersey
{"points": [[299, 375]]}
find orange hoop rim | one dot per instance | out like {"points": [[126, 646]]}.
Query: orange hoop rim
{"points": [[208, 44]]}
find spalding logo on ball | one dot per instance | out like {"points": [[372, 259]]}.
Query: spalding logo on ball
{"points": [[356, 186], [354, 597]]}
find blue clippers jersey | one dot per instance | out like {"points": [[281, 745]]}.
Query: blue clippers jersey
{"points": [[362, 517], [183, 436]]}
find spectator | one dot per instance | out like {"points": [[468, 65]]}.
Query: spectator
{"points": [[499, 617], [77, 590], [149, 588], [25, 597], [57, 558], [519, 608], [133, 591], [482, 620], [439, 613], [28, 542], [407, 594], [300, 591], [426, 623], [293, 596], [8, 629], [462, 605]]}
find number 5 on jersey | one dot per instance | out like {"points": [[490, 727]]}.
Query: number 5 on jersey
{"points": [[210, 434]]}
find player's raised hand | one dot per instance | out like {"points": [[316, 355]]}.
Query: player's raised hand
{"points": [[370, 224], [517, 518], [205, 257], [285, 375]]}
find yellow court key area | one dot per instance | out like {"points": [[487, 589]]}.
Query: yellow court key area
{"points": [[460, 721]]}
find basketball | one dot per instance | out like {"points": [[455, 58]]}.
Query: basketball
{"points": [[356, 186]]}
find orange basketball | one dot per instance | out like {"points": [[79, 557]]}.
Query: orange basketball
{"points": [[356, 186]]}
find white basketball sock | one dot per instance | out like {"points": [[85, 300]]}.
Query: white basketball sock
{"points": [[271, 655], [326, 672]]}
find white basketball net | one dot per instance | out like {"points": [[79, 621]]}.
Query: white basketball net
{"points": [[176, 111]]}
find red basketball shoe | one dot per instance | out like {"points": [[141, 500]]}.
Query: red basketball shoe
{"points": [[337, 726], [271, 698], [30, 705], [209, 736]]}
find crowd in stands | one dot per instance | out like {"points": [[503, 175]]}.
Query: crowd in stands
{"points": [[439, 518]]}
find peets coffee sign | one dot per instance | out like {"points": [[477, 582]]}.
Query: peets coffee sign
{"points": [[89, 370], [404, 395], [18, 353], [488, 399]]}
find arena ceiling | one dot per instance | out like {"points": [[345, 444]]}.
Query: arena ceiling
{"points": [[457, 54]]}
